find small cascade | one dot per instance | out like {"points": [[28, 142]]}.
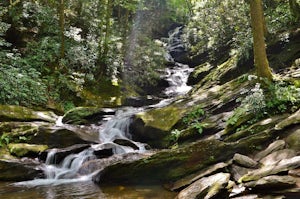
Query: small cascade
{"points": [[117, 128], [177, 75], [177, 78], [69, 167]]}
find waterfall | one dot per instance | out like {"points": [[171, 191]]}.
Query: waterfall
{"points": [[113, 132]]}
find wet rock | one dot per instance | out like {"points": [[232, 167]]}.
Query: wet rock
{"points": [[244, 161], [275, 146], [293, 140], [277, 156], [140, 101], [192, 178], [19, 170], [100, 164], [128, 143], [19, 113], [283, 166], [107, 149], [61, 153], [29, 150], [169, 165], [208, 187], [86, 115], [60, 138], [272, 182]]}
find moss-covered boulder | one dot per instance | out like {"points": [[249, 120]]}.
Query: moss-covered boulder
{"points": [[153, 127], [86, 115], [22, 149], [19, 113]]}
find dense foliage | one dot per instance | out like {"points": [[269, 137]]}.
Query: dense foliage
{"points": [[223, 27], [50, 51], [45, 45]]}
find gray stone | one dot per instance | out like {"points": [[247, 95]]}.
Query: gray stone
{"points": [[272, 182], [295, 172], [206, 188], [237, 171], [284, 165], [244, 161], [183, 182], [278, 156], [275, 146]]}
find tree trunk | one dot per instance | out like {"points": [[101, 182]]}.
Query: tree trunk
{"points": [[258, 30], [62, 27]]}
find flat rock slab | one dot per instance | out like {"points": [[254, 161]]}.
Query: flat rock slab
{"points": [[206, 188], [244, 161], [275, 146], [272, 182], [293, 119], [278, 156], [192, 178], [284, 165]]}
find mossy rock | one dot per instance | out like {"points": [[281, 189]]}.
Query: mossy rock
{"points": [[199, 73], [171, 165], [19, 113], [85, 115], [153, 127], [22, 149]]}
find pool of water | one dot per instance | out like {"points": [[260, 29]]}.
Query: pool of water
{"points": [[82, 190]]}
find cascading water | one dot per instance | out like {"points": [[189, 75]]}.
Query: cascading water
{"points": [[114, 130], [177, 75]]}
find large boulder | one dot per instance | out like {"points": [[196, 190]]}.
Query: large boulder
{"points": [[174, 164], [22, 149], [43, 133], [153, 127], [272, 182], [19, 170], [59, 138], [283, 166], [19, 113]]}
